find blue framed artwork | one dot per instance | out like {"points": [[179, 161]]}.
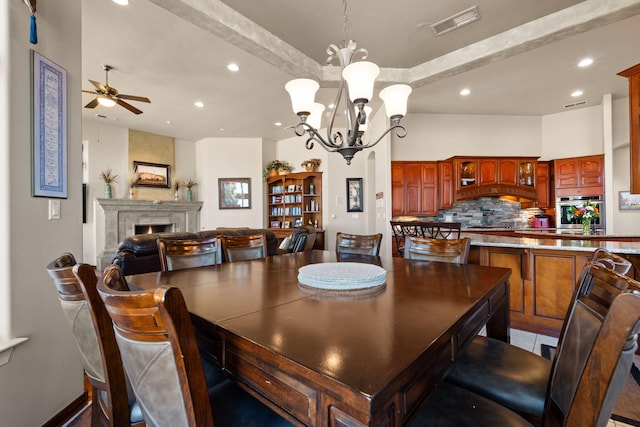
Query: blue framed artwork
{"points": [[48, 128]]}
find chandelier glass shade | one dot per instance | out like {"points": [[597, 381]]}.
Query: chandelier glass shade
{"points": [[354, 92]]}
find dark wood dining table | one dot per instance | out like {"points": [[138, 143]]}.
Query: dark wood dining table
{"points": [[327, 358]]}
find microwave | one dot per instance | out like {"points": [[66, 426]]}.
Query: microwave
{"points": [[565, 218]]}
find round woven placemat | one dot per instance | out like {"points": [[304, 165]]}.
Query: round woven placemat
{"points": [[342, 276]]}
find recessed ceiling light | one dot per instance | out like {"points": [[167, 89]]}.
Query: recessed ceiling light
{"points": [[222, 129], [168, 122], [278, 123], [121, 2], [199, 104], [331, 106], [233, 67], [465, 92], [576, 93], [585, 62]]}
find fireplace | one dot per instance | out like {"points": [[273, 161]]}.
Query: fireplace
{"points": [[152, 228], [122, 218]]}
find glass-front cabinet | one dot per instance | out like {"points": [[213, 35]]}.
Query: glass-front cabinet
{"points": [[527, 173]]}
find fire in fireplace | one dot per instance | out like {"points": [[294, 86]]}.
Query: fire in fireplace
{"points": [[153, 228]]}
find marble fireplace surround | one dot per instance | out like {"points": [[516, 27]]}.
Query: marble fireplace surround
{"points": [[121, 216]]}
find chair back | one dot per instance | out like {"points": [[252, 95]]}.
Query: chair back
{"points": [[595, 354], [303, 238], [441, 230], [160, 354], [179, 254], [615, 262], [358, 243], [113, 402], [454, 251], [241, 248], [402, 229]]}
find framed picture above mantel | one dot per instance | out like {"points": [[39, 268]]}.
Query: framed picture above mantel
{"points": [[152, 174]]}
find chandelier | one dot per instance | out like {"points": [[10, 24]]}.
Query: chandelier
{"points": [[355, 90]]}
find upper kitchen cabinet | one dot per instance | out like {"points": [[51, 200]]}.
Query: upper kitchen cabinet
{"points": [[445, 184], [633, 76], [579, 176], [414, 188], [544, 185], [494, 176]]}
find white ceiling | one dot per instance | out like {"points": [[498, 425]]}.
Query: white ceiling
{"points": [[517, 60]]}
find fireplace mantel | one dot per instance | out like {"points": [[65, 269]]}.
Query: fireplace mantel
{"points": [[122, 215]]}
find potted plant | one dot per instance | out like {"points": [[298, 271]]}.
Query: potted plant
{"points": [[274, 167], [176, 184], [107, 176], [190, 184], [311, 164]]}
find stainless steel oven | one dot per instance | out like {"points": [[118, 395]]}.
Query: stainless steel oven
{"points": [[566, 220]]}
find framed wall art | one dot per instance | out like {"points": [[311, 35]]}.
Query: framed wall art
{"points": [[234, 193], [152, 174], [48, 128], [628, 201], [354, 195]]}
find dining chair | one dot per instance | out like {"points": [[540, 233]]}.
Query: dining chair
{"points": [[441, 230], [358, 243], [454, 251], [517, 378], [159, 351], [178, 254], [402, 229], [242, 248], [588, 372], [113, 402]]}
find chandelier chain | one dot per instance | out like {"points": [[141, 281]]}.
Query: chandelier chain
{"points": [[345, 39]]}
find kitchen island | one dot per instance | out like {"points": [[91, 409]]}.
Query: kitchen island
{"points": [[545, 269]]}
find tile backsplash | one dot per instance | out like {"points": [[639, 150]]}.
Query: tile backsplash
{"points": [[485, 212]]}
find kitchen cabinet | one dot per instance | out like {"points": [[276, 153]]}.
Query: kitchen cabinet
{"points": [[494, 176], [633, 76], [445, 184], [414, 188], [579, 176], [295, 199], [544, 186]]}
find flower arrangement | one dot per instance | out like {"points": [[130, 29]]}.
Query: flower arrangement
{"points": [[311, 164], [190, 184], [588, 211], [108, 176]]}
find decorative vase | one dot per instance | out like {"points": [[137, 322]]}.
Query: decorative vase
{"points": [[310, 168], [107, 190], [176, 195], [131, 193], [586, 225], [273, 172], [189, 195]]}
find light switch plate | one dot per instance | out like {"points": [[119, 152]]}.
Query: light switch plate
{"points": [[54, 209]]}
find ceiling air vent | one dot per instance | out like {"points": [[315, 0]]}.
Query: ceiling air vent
{"points": [[456, 21], [574, 104]]}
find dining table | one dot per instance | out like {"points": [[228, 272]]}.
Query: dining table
{"points": [[339, 357]]}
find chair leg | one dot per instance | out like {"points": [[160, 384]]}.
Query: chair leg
{"points": [[96, 411]]}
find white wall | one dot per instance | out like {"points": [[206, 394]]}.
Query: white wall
{"points": [[229, 158], [573, 133], [44, 374]]}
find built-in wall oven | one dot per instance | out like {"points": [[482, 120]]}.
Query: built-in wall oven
{"points": [[566, 220]]}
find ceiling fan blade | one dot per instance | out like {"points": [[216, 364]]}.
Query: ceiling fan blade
{"points": [[90, 91], [129, 107], [99, 85], [92, 104], [134, 98]]}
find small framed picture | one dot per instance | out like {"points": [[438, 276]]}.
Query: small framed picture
{"points": [[286, 224], [234, 193], [354, 195], [291, 188], [628, 201], [275, 224], [297, 222]]}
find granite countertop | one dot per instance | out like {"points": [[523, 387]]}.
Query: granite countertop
{"points": [[483, 239]]}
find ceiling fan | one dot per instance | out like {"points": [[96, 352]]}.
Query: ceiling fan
{"points": [[108, 96]]}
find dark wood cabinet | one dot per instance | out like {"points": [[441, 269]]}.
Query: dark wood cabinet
{"points": [[579, 176], [414, 188], [633, 76], [544, 186], [445, 184], [494, 176]]}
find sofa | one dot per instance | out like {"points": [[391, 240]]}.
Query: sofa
{"points": [[139, 253]]}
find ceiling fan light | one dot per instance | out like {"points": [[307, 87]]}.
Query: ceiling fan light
{"points": [[302, 93], [395, 99], [105, 101], [315, 118], [360, 77]]}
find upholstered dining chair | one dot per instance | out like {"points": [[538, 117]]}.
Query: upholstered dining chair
{"points": [[178, 254], [588, 372], [113, 402], [160, 355], [242, 248], [454, 251], [358, 243], [517, 378]]}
